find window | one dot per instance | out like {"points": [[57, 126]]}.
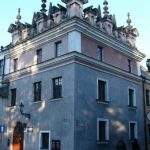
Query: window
{"points": [[44, 140], [129, 65], [147, 98], [131, 98], [132, 130], [58, 49], [102, 130], [37, 91], [13, 97], [1, 67], [56, 144], [39, 56], [102, 91], [100, 53], [148, 129], [57, 87], [15, 64]]}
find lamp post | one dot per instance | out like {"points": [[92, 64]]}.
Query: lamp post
{"points": [[27, 115]]}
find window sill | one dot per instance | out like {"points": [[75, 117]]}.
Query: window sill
{"points": [[102, 102], [132, 107], [36, 102], [12, 107], [55, 99], [102, 142]]}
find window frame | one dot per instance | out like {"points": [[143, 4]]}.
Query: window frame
{"points": [[54, 87], [13, 101], [58, 53], [34, 91], [106, 129], [129, 65], [1, 67], [106, 91], [40, 139], [135, 130], [147, 97], [39, 56], [100, 53], [15, 64], [134, 97]]}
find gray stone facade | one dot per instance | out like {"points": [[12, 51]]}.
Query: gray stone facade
{"points": [[72, 120]]}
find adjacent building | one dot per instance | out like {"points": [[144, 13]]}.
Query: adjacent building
{"points": [[71, 80]]}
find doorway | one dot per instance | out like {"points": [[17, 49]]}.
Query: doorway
{"points": [[18, 136]]}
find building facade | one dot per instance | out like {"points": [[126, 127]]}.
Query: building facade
{"points": [[71, 80]]}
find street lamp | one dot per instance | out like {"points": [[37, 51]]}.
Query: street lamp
{"points": [[27, 115]]}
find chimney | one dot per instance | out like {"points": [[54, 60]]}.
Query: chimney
{"points": [[148, 64]]}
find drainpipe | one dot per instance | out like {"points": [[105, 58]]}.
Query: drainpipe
{"points": [[144, 107]]}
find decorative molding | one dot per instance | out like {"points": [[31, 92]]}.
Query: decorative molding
{"points": [[77, 24], [70, 58]]}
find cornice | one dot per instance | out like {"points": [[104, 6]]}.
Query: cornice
{"points": [[70, 58], [108, 40], [83, 27]]}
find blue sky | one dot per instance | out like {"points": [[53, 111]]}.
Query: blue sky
{"points": [[139, 10]]}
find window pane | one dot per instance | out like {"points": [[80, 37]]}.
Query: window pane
{"points": [[131, 97], [102, 130], [45, 140], [13, 97], [102, 90], [129, 65], [100, 53], [37, 91], [147, 98], [1, 67], [15, 64], [58, 49], [57, 87], [132, 131], [39, 55]]}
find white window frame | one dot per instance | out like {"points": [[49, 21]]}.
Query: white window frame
{"points": [[40, 133], [106, 129], [106, 90], [135, 122], [134, 96]]}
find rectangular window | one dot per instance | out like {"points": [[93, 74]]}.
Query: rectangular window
{"points": [[100, 53], [58, 49], [44, 140], [132, 130], [37, 91], [57, 87], [1, 67], [129, 65], [131, 98], [39, 56], [13, 97], [15, 64], [102, 90], [147, 98], [102, 130], [56, 144]]}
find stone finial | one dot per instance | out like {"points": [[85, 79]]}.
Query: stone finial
{"points": [[50, 10], [43, 10], [18, 17], [99, 13], [106, 12], [129, 20]]}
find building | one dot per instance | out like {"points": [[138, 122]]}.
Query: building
{"points": [[71, 81], [146, 98]]}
